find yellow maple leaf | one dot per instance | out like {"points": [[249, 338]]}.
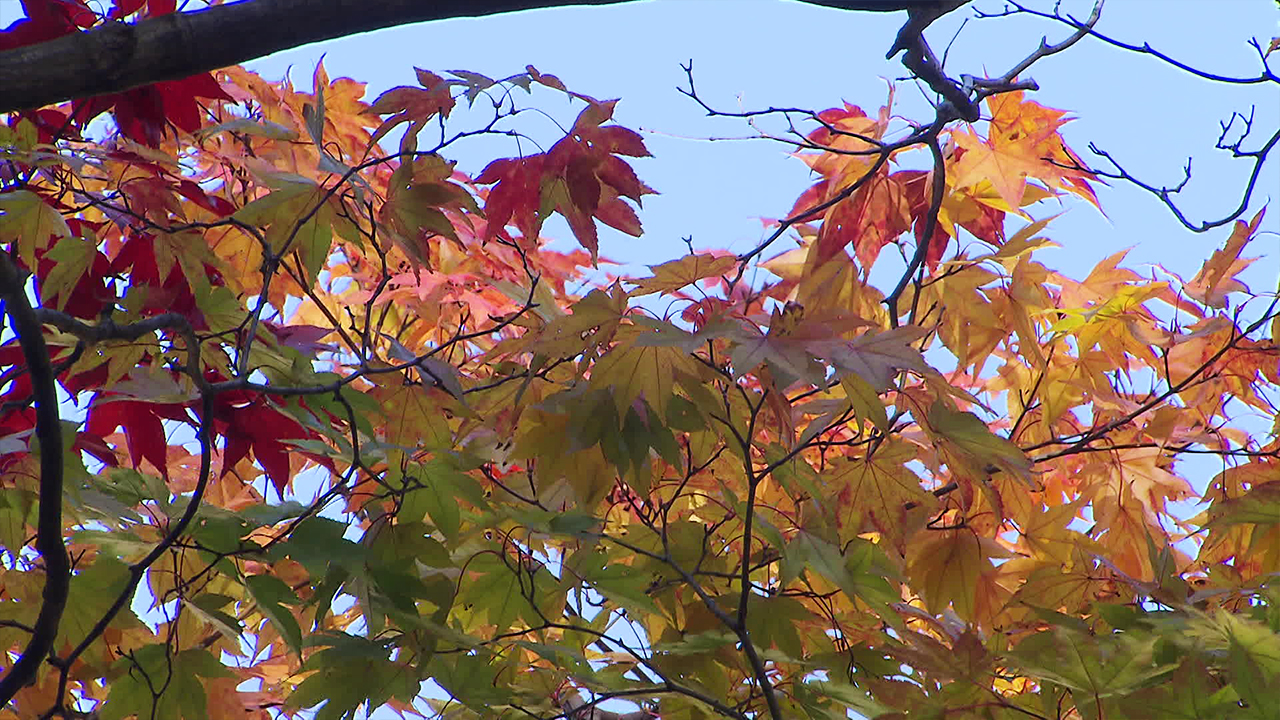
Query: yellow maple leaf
{"points": [[953, 568], [1005, 167], [880, 490], [636, 371], [675, 274]]}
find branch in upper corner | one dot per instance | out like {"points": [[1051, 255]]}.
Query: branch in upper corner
{"points": [[116, 56], [1166, 194]]}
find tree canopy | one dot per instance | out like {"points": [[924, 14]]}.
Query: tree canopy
{"points": [[299, 418]]}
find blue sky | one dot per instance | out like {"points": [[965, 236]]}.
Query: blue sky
{"points": [[777, 53]]}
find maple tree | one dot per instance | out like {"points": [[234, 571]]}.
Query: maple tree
{"points": [[299, 419]]}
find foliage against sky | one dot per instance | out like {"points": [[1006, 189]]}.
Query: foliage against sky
{"points": [[941, 496]]}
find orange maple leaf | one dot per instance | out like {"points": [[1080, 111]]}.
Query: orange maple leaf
{"points": [[1217, 278]]}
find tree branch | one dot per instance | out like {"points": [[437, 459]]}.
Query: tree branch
{"points": [[57, 566], [116, 56], [138, 570]]}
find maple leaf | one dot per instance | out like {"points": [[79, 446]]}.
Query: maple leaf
{"points": [[917, 190], [1022, 143], [580, 177], [262, 429], [676, 274], [877, 212], [881, 493], [516, 197], [74, 273], [637, 371], [415, 106], [163, 274], [787, 357], [1217, 278], [1260, 504], [143, 430], [29, 222], [797, 338], [875, 357], [1102, 666], [50, 124], [420, 204], [1005, 167], [975, 446], [46, 20], [592, 322], [217, 205], [143, 114], [124, 8], [1145, 472], [303, 338], [954, 568]]}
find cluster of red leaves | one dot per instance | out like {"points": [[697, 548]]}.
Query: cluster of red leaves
{"points": [[581, 177]]}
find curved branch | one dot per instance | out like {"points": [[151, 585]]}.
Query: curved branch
{"points": [[57, 566], [116, 56], [109, 330], [1166, 194], [1264, 76], [938, 184], [138, 570]]}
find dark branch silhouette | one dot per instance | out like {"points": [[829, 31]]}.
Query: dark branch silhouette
{"points": [[57, 566], [116, 56]]}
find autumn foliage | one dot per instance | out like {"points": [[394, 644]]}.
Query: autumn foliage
{"points": [[339, 427]]}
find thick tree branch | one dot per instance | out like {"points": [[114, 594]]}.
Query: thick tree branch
{"points": [[138, 570], [116, 56], [109, 330], [57, 567]]}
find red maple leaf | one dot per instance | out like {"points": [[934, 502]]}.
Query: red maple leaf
{"points": [[516, 197], [124, 8], [263, 429], [413, 105], [172, 293], [217, 205], [46, 20], [919, 193], [50, 124], [143, 114], [581, 177], [141, 421], [254, 424]]}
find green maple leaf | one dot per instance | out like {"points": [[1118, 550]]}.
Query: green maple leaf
{"points": [[1101, 667]]}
